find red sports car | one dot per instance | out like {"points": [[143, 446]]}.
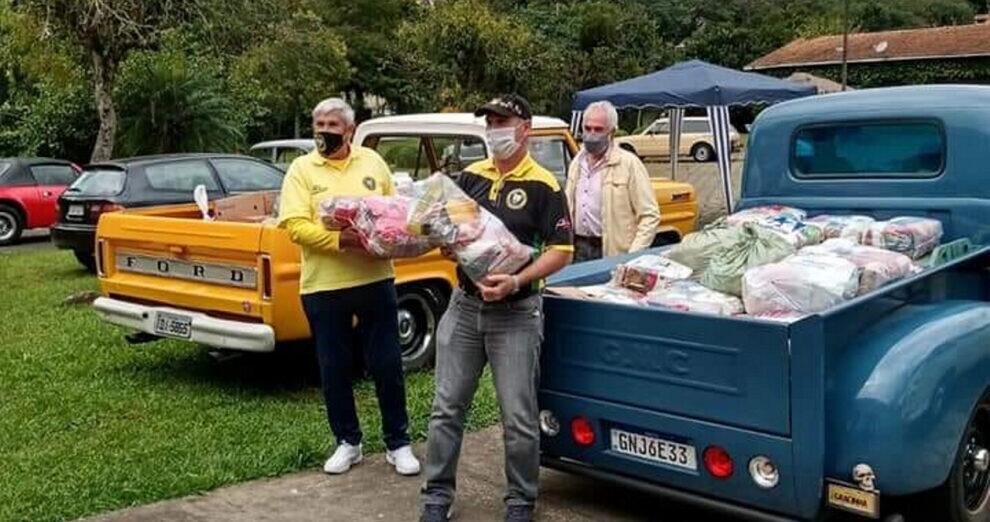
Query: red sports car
{"points": [[29, 191]]}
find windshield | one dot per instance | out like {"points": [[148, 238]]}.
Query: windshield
{"points": [[99, 182], [551, 153]]}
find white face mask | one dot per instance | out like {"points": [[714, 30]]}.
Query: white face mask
{"points": [[502, 142]]}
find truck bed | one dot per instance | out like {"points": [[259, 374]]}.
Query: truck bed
{"points": [[703, 379]]}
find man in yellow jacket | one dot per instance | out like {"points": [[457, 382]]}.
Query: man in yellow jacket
{"points": [[340, 281], [612, 204]]}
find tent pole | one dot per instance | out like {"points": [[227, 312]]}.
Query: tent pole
{"points": [[718, 118]]}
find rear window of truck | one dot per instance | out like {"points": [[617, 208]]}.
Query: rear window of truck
{"points": [[869, 149]]}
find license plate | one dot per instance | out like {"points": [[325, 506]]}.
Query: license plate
{"points": [[173, 325], [854, 500], [75, 211], [654, 449]]}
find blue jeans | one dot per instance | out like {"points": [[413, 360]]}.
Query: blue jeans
{"points": [[331, 315], [507, 336]]}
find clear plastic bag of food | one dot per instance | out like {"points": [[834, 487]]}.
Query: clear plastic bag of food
{"points": [[485, 246], [763, 212], [697, 249], [879, 266], [798, 233], [914, 237], [801, 284], [643, 273], [690, 296], [851, 227], [380, 223]]}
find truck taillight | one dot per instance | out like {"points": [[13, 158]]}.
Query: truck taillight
{"points": [[718, 462], [266, 278], [100, 270], [582, 431]]}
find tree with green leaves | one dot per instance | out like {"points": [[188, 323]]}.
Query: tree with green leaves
{"points": [[171, 102], [302, 61], [107, 32]]}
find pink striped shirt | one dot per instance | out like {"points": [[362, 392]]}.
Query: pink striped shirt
{"points": [[588, 197]]}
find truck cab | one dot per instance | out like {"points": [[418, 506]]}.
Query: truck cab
{"points": [[882, 398]]}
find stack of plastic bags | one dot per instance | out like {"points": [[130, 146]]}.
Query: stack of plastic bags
{"points": [[802, 284], [652, 280], [783, 264], [851, 227], [427, 214], [912, 236], [721, 255], [879, 266]]}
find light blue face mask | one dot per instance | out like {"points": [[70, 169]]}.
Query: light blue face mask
{"points": [[502, 142]]}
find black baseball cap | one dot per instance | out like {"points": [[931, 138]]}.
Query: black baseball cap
{"points": [[507, 105]]}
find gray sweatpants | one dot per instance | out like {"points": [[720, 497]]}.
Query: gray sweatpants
{"points": [[507, 336]]}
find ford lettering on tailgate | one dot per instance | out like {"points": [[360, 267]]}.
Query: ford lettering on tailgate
{"points": [[243, 277]]}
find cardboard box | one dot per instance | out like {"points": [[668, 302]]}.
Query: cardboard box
{"points": [[246, 208]]}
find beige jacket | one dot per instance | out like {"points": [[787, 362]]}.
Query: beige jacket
{"points": [[630, 215]]}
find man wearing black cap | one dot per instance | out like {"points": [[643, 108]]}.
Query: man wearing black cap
{"points": [[499, 320]]}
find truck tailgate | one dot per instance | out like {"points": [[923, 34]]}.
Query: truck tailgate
{"points": [[726, 370], [185, 263]]}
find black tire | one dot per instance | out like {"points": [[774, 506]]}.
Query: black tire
{"points": [[420, 308], [666, 238], [86, 259], [702, 153], [628, 147], [11, 225], [965, 496]]}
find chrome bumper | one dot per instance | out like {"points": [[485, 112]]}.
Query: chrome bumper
{"points": [[218, 333]]}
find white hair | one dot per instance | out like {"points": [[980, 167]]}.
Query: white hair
{"points": [[338, 105], [611, 115]]}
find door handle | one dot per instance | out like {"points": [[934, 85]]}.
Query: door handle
{"points": [[46, 194]]}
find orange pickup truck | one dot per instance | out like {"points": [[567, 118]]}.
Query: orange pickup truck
{"points": [[165, 272]]}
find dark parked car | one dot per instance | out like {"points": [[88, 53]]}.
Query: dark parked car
{"points": [[147, 181], [29, 191]]}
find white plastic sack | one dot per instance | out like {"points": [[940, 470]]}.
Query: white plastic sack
{"points": [[767, 211], [803, 284], [850, 227], [645, 272], [798, 233], [879, 266], [693, 297], [911, 236]]}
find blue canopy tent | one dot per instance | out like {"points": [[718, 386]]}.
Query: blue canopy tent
{"points": [[694, 84]]}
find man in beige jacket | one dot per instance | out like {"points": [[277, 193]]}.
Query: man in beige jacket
{"points": [[612, 204]]}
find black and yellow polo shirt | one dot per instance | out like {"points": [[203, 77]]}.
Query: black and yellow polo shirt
{"points": [[528, 200]]}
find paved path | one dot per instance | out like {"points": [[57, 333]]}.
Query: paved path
{"points": [[373, 492], [31, 240]]}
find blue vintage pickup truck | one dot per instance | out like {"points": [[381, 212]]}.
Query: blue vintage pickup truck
{"points": [[884, 397]]}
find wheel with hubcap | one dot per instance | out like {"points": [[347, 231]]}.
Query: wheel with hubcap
{"points": [[965, 496], [420, 308], [11, 225], [703, 152]]}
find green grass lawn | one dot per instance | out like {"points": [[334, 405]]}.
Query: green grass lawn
{"points": [[90, 424]]}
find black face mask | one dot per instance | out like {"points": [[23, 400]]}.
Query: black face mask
{"points": [[328, 143]]}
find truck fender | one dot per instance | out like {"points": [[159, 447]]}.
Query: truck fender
{"points": [[901, 394]]}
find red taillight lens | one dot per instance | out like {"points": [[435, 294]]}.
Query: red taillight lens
{"points": [[582, 431], [718, 462], [266, 278], [97, 209]]}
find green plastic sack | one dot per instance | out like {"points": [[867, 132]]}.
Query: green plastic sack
{"points": [[697, 249], [754, 246]]}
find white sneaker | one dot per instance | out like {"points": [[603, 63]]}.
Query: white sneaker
{"points": [[342, 459], [404, 461]]}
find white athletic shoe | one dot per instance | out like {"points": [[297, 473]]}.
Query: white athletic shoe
{"points": [[404, 461], [342, 459]]}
